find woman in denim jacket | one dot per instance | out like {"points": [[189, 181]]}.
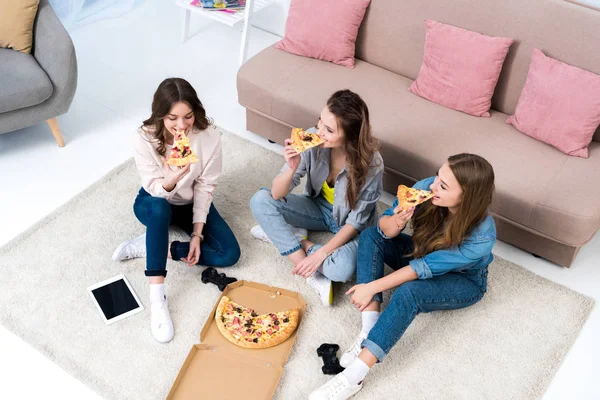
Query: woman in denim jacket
{"points": [[443, 266], [343, 185]]}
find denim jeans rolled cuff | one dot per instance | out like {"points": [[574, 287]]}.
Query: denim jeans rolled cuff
{"points": [[156, 272], [374, 348], [175, 254], [293, 250], [378, 297], [312, 249]]}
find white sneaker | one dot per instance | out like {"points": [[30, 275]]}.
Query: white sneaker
{"points": [[337, 388], [131, 249], [354, 350], [323, 285], [160, 321], [256, 231], [259, 234]]}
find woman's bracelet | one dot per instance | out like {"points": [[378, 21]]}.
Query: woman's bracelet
{"points": [[198, 235]]}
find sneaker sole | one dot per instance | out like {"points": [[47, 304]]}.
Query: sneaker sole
{"points": [[115, 255]]}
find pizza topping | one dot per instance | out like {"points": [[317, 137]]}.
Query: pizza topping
{"points": [[255, 340], [181, 153], [286, 320], [307, 138], [276, 323]]}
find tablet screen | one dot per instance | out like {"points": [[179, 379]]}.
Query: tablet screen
{"points": [[115, 299]]}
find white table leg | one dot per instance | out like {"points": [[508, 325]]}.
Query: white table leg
{"points": [[186, 25], [247, 23]]}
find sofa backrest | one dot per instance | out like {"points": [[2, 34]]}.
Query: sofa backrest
{"points": [[392, 36]]}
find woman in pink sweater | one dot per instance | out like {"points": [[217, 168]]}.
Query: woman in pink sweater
{"points": [[177, 195]]}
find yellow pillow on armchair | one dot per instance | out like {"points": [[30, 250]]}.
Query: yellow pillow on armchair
{"points": [[16, 24]]}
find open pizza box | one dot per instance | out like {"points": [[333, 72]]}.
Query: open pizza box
{"points": [[217, 369]]}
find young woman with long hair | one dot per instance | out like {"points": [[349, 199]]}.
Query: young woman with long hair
{"points": [[344, 183], [177, 195], [443, 266]]}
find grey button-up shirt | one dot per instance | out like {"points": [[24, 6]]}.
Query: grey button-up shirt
{"points": [[315, 165]]}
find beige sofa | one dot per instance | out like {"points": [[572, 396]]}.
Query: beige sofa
{"points": [[546, 202]]}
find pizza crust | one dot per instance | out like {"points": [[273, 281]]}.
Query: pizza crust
{"points": [[299, 142], [283, 334], [180, 162]]}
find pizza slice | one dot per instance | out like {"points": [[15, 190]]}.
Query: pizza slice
{"points": [[181, 153], [411, 197], [245, 328], [302, 140]]}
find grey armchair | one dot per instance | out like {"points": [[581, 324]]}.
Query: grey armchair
{"points": [[39, 86]]}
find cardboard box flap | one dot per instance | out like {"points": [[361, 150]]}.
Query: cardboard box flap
{"points": [[214, 373], [263, 299]]}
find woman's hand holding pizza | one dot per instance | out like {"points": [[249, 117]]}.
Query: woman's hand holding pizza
{"points": [[292, 157], [402, 216], [172, 177]]}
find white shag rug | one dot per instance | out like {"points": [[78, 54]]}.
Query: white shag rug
{"points": [[508, 346]]}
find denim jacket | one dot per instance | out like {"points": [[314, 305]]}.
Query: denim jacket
{"points": [[314, 164], [474, 253]]}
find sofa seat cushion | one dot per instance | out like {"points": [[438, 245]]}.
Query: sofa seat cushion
{"points": [[537, 186], [23, 83]]}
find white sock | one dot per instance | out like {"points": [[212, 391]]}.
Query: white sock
{"points": [[369, 318], [356, 372], [157, 292]]}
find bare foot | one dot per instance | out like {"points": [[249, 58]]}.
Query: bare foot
{"points": [[169, 252]]}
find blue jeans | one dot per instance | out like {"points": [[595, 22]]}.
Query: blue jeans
{"points": [[451, 291], [314, 214], [218, 249]]}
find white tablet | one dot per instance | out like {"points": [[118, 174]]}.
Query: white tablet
{"points": [[115, 299]]}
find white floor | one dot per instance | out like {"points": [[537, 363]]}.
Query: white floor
{"points": [[121, 62]]}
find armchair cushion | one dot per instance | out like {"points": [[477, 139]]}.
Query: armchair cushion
{"points": [[16, 24], [22, 82]]}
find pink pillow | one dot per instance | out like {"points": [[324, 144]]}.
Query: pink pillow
{"points": [[325, 30], [559, 105], [460, 68]]}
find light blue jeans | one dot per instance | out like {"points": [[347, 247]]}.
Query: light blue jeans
{"points": [[314, 214]]}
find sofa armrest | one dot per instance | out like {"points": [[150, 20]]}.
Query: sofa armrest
{"points": [[54, 51]]}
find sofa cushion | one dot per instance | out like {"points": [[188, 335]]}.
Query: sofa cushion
{"points": [[323, 30], [559, 105], [392, 36], [460, 68], [22, 82], [532, 179]]}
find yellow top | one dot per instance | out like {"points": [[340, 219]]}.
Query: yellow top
{"points": [[327, 192]]}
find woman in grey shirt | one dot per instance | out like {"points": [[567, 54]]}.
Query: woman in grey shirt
{"points": [[343, 185]]}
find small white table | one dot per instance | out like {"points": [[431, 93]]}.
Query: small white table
{"points": [[244, 16]]}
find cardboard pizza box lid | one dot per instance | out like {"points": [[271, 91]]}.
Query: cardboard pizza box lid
{"points": [[218, 369]]}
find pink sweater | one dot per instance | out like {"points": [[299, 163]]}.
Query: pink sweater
{"points": [[197, 186]]}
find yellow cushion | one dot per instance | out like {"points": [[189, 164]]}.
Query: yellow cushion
{"points": [[327, 192], [16, 24]]}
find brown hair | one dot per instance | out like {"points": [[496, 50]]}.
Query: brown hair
{"points": [[169, 92], [435, 227], [352, 117]]}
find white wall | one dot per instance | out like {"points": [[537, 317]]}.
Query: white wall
{"points": [[272, 18]]}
